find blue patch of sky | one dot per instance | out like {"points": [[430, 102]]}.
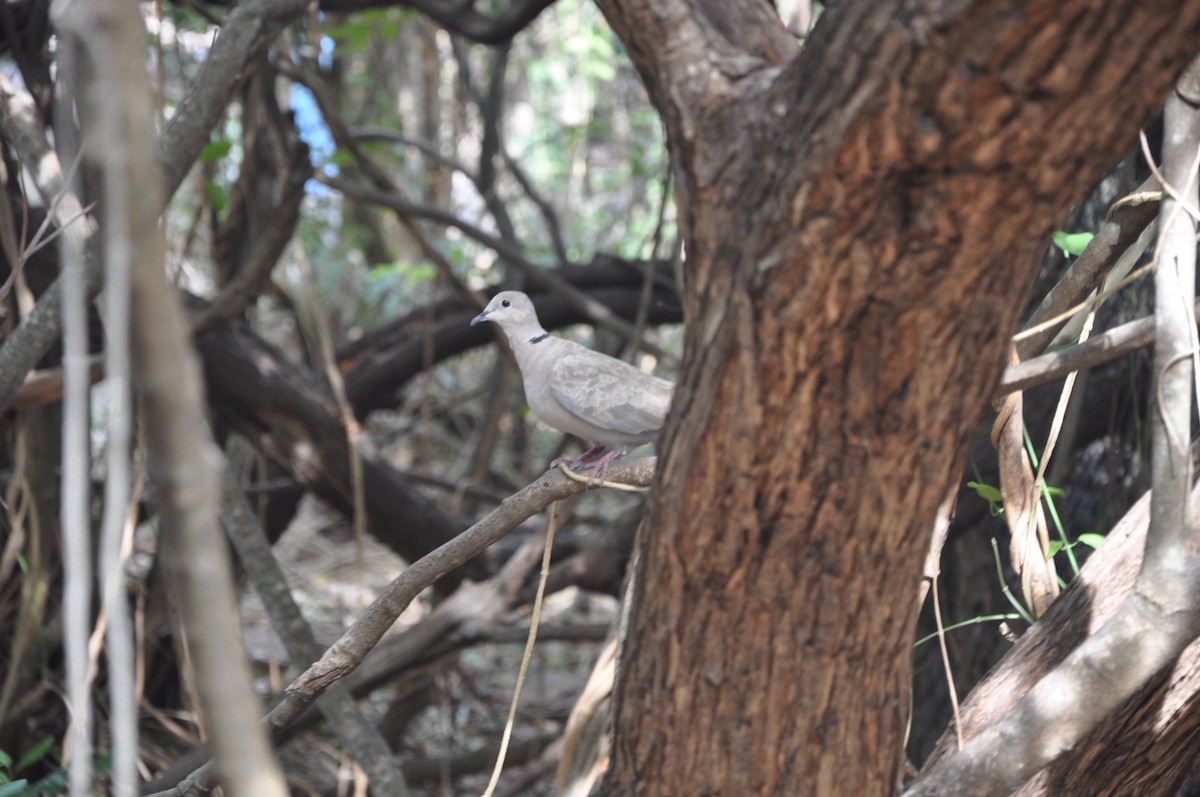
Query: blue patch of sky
{"points": [[312, 127]]}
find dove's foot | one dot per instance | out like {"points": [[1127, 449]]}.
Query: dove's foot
{"points": [[599, 469], [583, 459], [592, 463]]}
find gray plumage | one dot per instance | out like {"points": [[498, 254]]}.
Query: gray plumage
{"points": [[577, 390]]}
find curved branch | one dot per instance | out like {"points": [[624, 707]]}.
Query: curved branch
{"points": [[247, 31]]}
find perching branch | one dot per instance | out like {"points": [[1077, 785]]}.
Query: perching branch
{"points": [[345, 655]]}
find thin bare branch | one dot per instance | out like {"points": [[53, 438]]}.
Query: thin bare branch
{"points": [[265, 250], [1097, 350], [75, 514], [355, 733], [1127, 220], [248, 29], [116, 102]]}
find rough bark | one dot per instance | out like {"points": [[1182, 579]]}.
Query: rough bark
{"points": [[863, 220]]}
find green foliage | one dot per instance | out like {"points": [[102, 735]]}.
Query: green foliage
{"points": [[216, 196], [53, 784], [35, 754], [406, 272], [1090, 539], [185, 17], [983, 618], [596, 111], [1008, 595], [341, 158], [1072, 244], [391, 285], [595, 50], [358, 30], [12, 786], [215, 150], [990, 494]]}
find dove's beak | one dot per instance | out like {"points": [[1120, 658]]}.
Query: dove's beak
{"points": [[481, 317]]}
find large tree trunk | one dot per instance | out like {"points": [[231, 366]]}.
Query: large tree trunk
{"points": [[863, 221]]}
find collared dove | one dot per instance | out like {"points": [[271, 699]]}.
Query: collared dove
{"points": [[579, 391]]}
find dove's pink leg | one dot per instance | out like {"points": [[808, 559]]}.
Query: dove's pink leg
{"points": [[583, 459], [600, 467], [593, 466]]}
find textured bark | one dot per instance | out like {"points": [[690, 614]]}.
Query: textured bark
{"points": [[863, 221]]}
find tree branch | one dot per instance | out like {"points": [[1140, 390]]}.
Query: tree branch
{"points": [[355, 733], [345, 655], [246, 32], [1096, 350]]}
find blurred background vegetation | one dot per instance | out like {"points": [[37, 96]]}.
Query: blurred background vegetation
{"points": [[373, 178]]}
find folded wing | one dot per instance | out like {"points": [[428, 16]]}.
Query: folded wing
{"points": [[610, 394]]}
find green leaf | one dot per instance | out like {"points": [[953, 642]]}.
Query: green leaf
{"points": [[216, 196], [54, 784], [1055, 547], [987, 492], [600, 70], [422, 273], [35, 753], [14, 788], [5, 760], [1072, 244], [352, 35], [215, 150], [404, 271], [341, 158], [1091, 540]]}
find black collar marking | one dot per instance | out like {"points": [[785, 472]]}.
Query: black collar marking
{"points": [[539, 338]]}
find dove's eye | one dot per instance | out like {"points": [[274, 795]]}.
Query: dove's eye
{"points": [[505, 303]]}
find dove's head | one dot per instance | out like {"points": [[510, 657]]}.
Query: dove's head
{"points": [[513, 311]]}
